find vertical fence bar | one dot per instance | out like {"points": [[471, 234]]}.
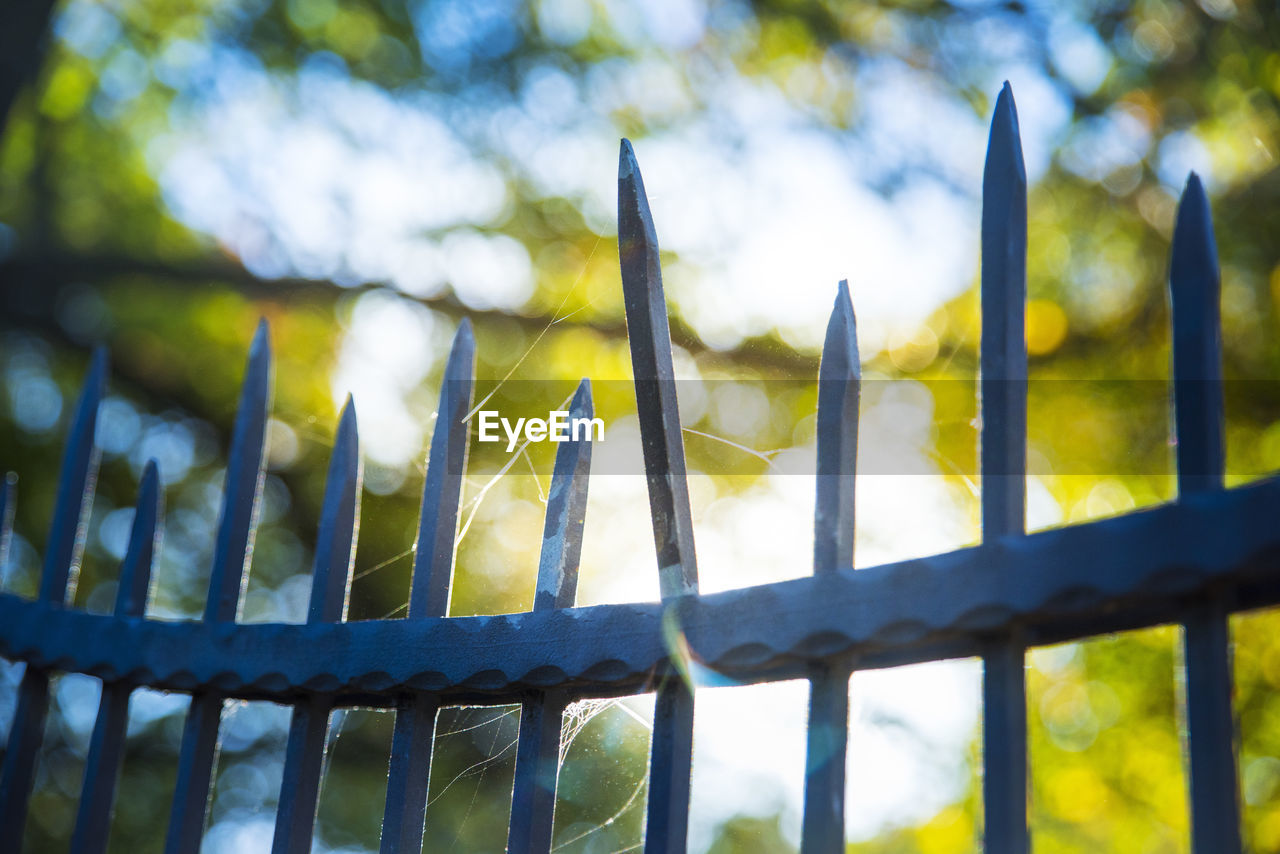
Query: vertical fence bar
{"points": [[232, 551], [409, 774], [839, 391], [533, 797], [106, 746], [1004, 463], [671, 753], [8, 497], [1198, 415], [57, 586], [330, 588]]}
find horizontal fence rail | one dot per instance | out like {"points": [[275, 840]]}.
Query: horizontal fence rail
{"points": [[1190, 562]]}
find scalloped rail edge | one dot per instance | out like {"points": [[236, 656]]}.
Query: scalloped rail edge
{"points": [[1118, 573]]}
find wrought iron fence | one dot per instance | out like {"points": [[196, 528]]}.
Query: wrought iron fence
{"points": [[1190, 562]]}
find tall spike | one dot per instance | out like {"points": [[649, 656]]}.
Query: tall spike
{"points": [[339, 524], [839, 389], [438, 525], [1199, 416], [75, 491], [144, 545], [330, 587], [566, 512], [242, 490], [232, 550], [407, 777], [1197, 345], [57, 585], [650, 338], [1004, 347], [667, 822], [8, 496], [1004, 464], [106, 746], [538, 751]]}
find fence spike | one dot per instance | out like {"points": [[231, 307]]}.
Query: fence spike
{"points": [[533, 797], [144, 545], [106, 746], [409, 772], [57, 585], [650, 338], [1004, 454], [330, 588], [648, 332], [232, 551], [8, 496], [339, 524], [1194, 288], [839, 387], [1004, 348], [446, 462], [1197, 344], [566, 513], [243, 486], [75, 491]]}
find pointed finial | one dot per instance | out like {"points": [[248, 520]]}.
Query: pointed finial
{"points": [[557, 583], [638, 239], [75, 489], [840, 360], [1004, 145], [581, 405], [339, 522], [839, 392], [242, 491], [461, 361], [144, 543], [347, 427], [649, 336], [347, 438], [261, 337], [1195, 253]]}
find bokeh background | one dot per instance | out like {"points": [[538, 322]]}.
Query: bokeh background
{"points": [[365, 173]]}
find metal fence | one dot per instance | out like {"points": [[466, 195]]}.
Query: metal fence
{"points": [[1190, 562]]}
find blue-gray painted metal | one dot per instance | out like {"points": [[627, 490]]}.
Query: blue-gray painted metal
{"points": [[649, 334], [1003, 394], [533, 797], [330, 588], [57, 587], [232, 550], [839, 389], [566, 513], [106, 746], [1216, 549], [1127, 572], [409, 772], [8, 492], [75, 492], [1198, 419]]}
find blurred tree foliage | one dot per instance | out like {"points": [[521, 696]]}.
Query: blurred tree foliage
{"points": [[98, 245]]}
